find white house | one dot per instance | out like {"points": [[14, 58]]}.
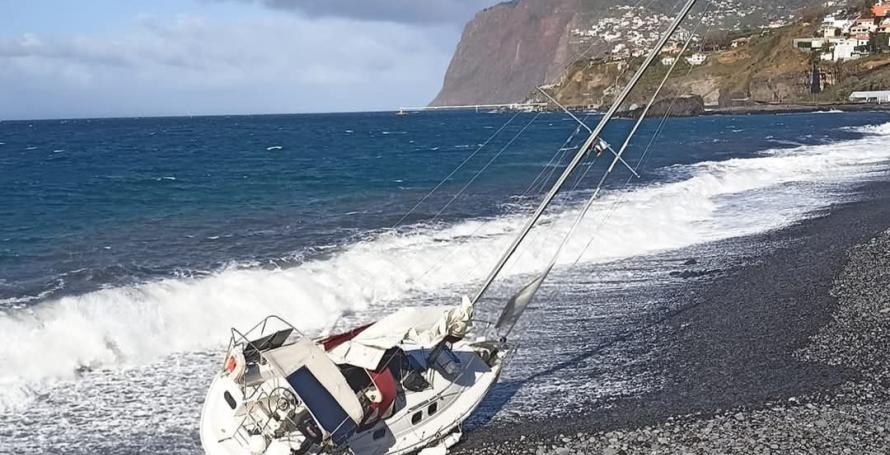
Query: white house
{"points": [[863, 27], [738, 42], [829, 31], [668, 61], [840, 24], [845, 50], [863, 30], [809, 44], [696, 59]]}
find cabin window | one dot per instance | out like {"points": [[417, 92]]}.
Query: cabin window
{"points": [[432, 409], [230, 399], [379, 434], [416, 418]]}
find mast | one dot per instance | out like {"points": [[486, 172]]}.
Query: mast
{"points": [[576, 160]]}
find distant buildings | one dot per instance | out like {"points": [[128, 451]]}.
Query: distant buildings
{"points": [[844, 50], [839, 39], [829, 31], [696, 59], [809, 44], [739, 42], [881, 9], [863, 26], [672, 47]]}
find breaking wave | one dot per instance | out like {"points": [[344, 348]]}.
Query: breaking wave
{"points": [[113, 328]]}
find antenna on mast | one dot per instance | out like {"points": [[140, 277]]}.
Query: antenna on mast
{"points": [[601, 146]]}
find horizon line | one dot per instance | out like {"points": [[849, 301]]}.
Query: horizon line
{"points": [[158, 116]]}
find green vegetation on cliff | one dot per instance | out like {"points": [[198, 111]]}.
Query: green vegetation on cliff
{"points": [[764, 69]]}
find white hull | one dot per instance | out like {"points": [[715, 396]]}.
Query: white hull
{"points": [[454, 401]]}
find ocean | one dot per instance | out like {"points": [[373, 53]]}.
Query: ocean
{"points": [[128, 247]]}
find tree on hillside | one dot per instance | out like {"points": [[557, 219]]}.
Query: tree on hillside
{"points": [[716, 40], [867, 5], [813, 14]]}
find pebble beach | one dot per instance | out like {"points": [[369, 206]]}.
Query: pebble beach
{"points": [[799, 363]]}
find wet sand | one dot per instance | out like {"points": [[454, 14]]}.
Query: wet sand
{"points": [[738, 349]]}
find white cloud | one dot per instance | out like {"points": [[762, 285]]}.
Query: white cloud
{"points": [[399, 11], [191, 65]]}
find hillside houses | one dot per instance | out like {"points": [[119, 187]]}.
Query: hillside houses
{"points": [[696, 59], [881, 9], [739, 42], [839, 39]]}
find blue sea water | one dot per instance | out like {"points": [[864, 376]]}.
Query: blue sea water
{"points": [[129, 246], [86, 204]]}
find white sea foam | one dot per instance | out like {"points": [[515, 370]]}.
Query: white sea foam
{"points": [[126, 326]]}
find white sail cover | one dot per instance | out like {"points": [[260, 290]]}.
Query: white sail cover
{"points": [[419, 327], [304, 353]]}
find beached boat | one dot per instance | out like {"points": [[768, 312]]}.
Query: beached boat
{"points": [[403, 384], [396, 386]]}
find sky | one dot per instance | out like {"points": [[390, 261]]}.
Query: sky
{"points": [[122, 58]]}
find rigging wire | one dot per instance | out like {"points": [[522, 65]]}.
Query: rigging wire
{"points": [[646, 4], [552, 164], [589, 165], [565, 148], [578, 57], [519, 301], [454, 171], [539, 182], [658, 131], [486, 166]]}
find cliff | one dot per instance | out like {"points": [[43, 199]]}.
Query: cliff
{"points": [[509, 49]]}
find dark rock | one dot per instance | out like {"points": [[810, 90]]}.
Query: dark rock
{"points": [[684, 106]]}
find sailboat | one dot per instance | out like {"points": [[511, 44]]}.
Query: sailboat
{"points": [[403, 384]]}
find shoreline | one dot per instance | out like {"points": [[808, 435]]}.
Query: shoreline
{"points": [[794, 108], [731, 354], [756, 109]]}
